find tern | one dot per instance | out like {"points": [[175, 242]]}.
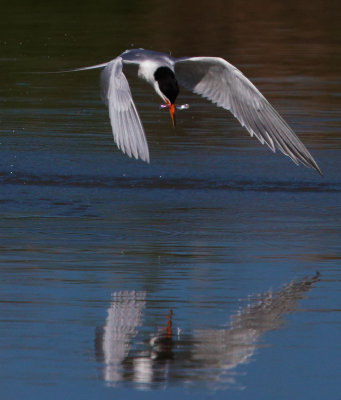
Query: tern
{"points": [[210, 77]]}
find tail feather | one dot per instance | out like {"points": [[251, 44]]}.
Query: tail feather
{"points": [[85, 68], [72, 70]]}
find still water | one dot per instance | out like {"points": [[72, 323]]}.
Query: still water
{"points": [[213, 272]]}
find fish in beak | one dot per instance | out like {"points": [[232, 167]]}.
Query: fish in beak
{"points": [[172, 107]]}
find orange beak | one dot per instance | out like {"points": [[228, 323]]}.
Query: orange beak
{"points": [[171, 108]]}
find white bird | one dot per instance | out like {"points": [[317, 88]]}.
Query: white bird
{"points": [[210, 77]]}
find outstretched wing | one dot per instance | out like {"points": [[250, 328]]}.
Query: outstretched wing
{"points": [[125, 122], [223, 84]]}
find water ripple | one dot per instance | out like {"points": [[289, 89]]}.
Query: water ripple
{"points": [[178, 183]]}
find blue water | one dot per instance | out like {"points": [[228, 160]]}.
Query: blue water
{"points": [[239, 243]]}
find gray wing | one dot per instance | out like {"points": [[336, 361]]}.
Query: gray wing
{"points": [[125, 122], [223, 84]]}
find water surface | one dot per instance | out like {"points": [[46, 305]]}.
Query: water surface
{"points": [[214, 271]]}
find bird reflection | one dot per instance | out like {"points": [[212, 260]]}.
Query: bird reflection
{"points": [[207, 355]]}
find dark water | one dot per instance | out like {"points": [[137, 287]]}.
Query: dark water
{"points": [[197, 273]]}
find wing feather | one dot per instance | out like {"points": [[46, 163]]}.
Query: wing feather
{"points": [[125, 122], [223, 84]]}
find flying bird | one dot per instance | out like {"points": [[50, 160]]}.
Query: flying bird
{"points": [[211, 77]]}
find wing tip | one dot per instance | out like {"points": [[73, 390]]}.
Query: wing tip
{"points": [[307, 162], [145, 158], [317, 168]]}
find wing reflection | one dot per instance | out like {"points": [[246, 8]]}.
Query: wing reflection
{"points": [[113, 342], [207, 355], [223, 350]]}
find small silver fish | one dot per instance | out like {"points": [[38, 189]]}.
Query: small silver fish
{"points": [[182, 107]]}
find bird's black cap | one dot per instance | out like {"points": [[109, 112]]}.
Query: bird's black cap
{"points": [[167, 83]]}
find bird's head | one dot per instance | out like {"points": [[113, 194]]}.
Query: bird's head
{"points": [[167, 87]]}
